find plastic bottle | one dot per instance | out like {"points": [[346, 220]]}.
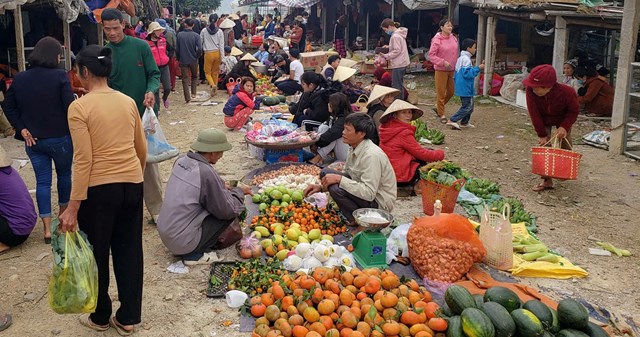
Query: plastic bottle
{"points": [[437, 208]]}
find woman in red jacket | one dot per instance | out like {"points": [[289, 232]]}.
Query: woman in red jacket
{"points": [[158, 45], [550, 104], [241, 104], [397, 140]]}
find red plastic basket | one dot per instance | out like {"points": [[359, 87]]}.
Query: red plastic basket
{"points": [[448, 195], [555, 162]]}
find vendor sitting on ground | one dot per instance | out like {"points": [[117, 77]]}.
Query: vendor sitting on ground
{"points": [[550, 104], [380, 99], [596, 94], [329, 69], [17, 212], [241, 69], [313, 103], [200, 211], [289, 83], [397, 140], [241, 104], [353, 90], [368, 180], [330, 141]]}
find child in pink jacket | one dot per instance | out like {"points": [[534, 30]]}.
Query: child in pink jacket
{"points": [[398, 55], [443, 53]]}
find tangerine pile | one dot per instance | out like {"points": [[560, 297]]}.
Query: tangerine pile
{"points": [[328, 220], [357, 303]]}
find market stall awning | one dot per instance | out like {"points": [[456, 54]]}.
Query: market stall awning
{"points": [[297, 3], [421, 5]]}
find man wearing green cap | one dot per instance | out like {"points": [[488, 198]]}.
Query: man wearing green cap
{"points": [[200, 211]]}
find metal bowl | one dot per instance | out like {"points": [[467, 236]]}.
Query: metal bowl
{"points": [[372, 219]]}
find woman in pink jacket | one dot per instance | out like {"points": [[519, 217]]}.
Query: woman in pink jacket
{"points": [[398, 55], [444, 54]]}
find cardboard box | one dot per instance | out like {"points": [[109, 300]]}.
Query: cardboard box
{"points": [[314, 59], [367, 68]]}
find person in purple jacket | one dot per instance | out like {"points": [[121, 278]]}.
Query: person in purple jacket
{"points": [[17, 212]]}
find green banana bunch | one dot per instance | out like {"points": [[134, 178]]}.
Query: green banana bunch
{"points": [[435, 136]]}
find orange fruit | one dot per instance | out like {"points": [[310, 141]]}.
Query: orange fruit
{"points": [[372, 285], [258, 310], [313, 334], [423, 334], [346, 332], [325, 307], [360, 280], [391, 328], [296, 320], [267, 299], [311, 315], [326, 321], [299, 331], [389, 300], [346, 279], [431, 309], [332, 333], [364, 329], [409, 318], [438, 324], [349, 319], [346, 297], [318, 327], [390, 282]]}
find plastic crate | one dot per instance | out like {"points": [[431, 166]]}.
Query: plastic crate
{"points": [[216, 269], [282, 156]]}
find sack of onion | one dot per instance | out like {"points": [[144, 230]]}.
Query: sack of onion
{"points": [[444, 247]]}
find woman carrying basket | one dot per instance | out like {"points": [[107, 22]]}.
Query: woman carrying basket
{"points": [[550, 104]]}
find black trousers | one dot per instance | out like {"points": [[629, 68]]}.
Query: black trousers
{"points": [[346, 201], [111, 216], [6, 235]]}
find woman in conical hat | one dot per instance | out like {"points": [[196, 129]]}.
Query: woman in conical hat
{"points": [[397, 140], [380, 99]]}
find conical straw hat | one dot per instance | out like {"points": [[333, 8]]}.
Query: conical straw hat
{"points": [[399, 105], [378, 92], [343, 73], [348, 63], [227, 24], [248, 57], [235, 51]]}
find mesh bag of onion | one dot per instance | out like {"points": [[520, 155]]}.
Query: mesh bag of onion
{"points": [[444, 247]]}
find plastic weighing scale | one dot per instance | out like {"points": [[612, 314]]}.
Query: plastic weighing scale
{"points": [[370, 246]]}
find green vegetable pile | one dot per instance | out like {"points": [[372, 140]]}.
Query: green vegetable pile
{"points": [[435, 136], [444, 173], [518, 213], [253, 276], [482, 188]]}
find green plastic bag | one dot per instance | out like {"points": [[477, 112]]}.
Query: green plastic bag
{"points": [[73, 286]]}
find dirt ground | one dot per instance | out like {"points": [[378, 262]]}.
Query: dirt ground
{"points": [[602, 204]]}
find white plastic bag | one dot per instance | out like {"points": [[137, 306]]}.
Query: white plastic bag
{"points": [[158, 149], [397, 241]]}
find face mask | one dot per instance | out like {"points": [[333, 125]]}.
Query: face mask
{"points": [[304, 21], [580, 82], [389, 33]]}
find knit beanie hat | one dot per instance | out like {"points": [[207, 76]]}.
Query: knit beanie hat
{"points": [[542, 76]]}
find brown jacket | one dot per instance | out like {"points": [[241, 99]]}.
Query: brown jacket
{"points": [[598, 99]]}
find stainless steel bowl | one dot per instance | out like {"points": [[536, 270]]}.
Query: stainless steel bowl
{"points": [[259, 67], [372, 219]]}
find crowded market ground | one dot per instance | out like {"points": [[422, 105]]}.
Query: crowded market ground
{"points": [[600, 205]]}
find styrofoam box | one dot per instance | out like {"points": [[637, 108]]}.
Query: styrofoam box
{"points": [[521, 99]]}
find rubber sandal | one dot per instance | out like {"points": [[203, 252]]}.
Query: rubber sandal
{"points": [[119, 327], [5, 322], [86, 321], [542, 187], [47, 241]]}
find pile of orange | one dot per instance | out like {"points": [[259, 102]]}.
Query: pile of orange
{"points": [[309, 217], [357, 303]]}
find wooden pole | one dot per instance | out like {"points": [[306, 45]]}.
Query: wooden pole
{"points": [[628, 42], [101, 35], [17, 18], [488, 57], [452, 9], [367, 33], [393, 10], [559, 44], [66, 32], [480, 42]]}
